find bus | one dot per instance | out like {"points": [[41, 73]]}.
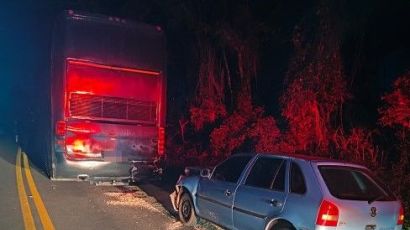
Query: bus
{"points": [[107, 99]]}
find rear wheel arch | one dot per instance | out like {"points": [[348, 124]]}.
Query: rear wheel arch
{"points": [[279, 224]]}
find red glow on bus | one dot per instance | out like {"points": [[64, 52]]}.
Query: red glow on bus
{"points": [[90, 64]]}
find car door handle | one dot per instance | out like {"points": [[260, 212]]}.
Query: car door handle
{"points": [[275, 203], [228, 193]]}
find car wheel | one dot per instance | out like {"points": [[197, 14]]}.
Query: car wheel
{"points": [[282, 226], [186, 210]]}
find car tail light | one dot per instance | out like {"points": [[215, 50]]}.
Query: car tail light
{"points": [[61, 128], [400, 220], [328, 214], [161, 141]]}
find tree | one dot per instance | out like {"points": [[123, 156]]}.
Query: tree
{"points": [[316, 87], [246, 129], [226, 53], [396, 112]]}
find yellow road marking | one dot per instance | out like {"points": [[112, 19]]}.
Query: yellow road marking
{"points": [[41, 209], [25, 206]]}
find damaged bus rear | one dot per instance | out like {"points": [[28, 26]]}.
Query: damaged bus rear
{"points": [[108, 98]]}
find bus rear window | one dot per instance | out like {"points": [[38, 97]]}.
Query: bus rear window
{"points": [[349, 183], [110, 93]]}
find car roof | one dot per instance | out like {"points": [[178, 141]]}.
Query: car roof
{"points": [[295, 156], [313, 159]]}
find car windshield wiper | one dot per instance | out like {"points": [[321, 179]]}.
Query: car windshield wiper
{"points": [[376, 198]]}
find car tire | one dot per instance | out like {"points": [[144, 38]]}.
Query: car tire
{"points": [[282, 226], [186, 210]]}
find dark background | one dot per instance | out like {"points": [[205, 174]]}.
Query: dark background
{"points": [[375, 32]]}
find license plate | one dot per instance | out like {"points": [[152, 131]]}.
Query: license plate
{"points": [[370, 227]]}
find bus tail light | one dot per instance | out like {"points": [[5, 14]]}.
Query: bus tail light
{"points": [[400, 220], [161, 141], [61, 128], [82, 149]]}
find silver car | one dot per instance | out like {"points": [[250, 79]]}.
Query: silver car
{"points": [[274, 191]]}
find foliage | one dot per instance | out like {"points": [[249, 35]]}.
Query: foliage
{"points": [[358, 147], [316, 89], [245, 125], [227, 63], [207, 112], [397, 109], [265, 134], [208, 104], [311, 103], [306, 127], [395, 114]]}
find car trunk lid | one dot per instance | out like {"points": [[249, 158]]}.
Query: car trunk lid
{"points": [[362, 201], [362, 215]]}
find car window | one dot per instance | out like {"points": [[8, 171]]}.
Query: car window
{"points": [[297, 181], [352, 184], [264, 172], [230, 170], [279, 182]]}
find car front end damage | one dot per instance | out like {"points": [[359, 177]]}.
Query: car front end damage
{"points": [[187, 183], [175, 197]]}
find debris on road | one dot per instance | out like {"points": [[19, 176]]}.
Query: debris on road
{"points": [[135, 199]]}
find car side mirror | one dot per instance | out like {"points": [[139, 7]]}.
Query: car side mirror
{"points": [[206, 173]]}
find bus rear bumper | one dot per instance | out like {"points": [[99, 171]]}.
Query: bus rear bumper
{"points": [[104, 172], [142, 170]]}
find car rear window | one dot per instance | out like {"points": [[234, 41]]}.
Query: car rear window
{"points": [[350, 183]]}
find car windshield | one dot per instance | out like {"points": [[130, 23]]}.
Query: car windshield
{"points": [[350, 183]]}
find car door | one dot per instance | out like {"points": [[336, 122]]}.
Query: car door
{"points": [[262, 195], [215, 194]]}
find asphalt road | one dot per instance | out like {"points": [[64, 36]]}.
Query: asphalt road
{"points": [[29, 200]]}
